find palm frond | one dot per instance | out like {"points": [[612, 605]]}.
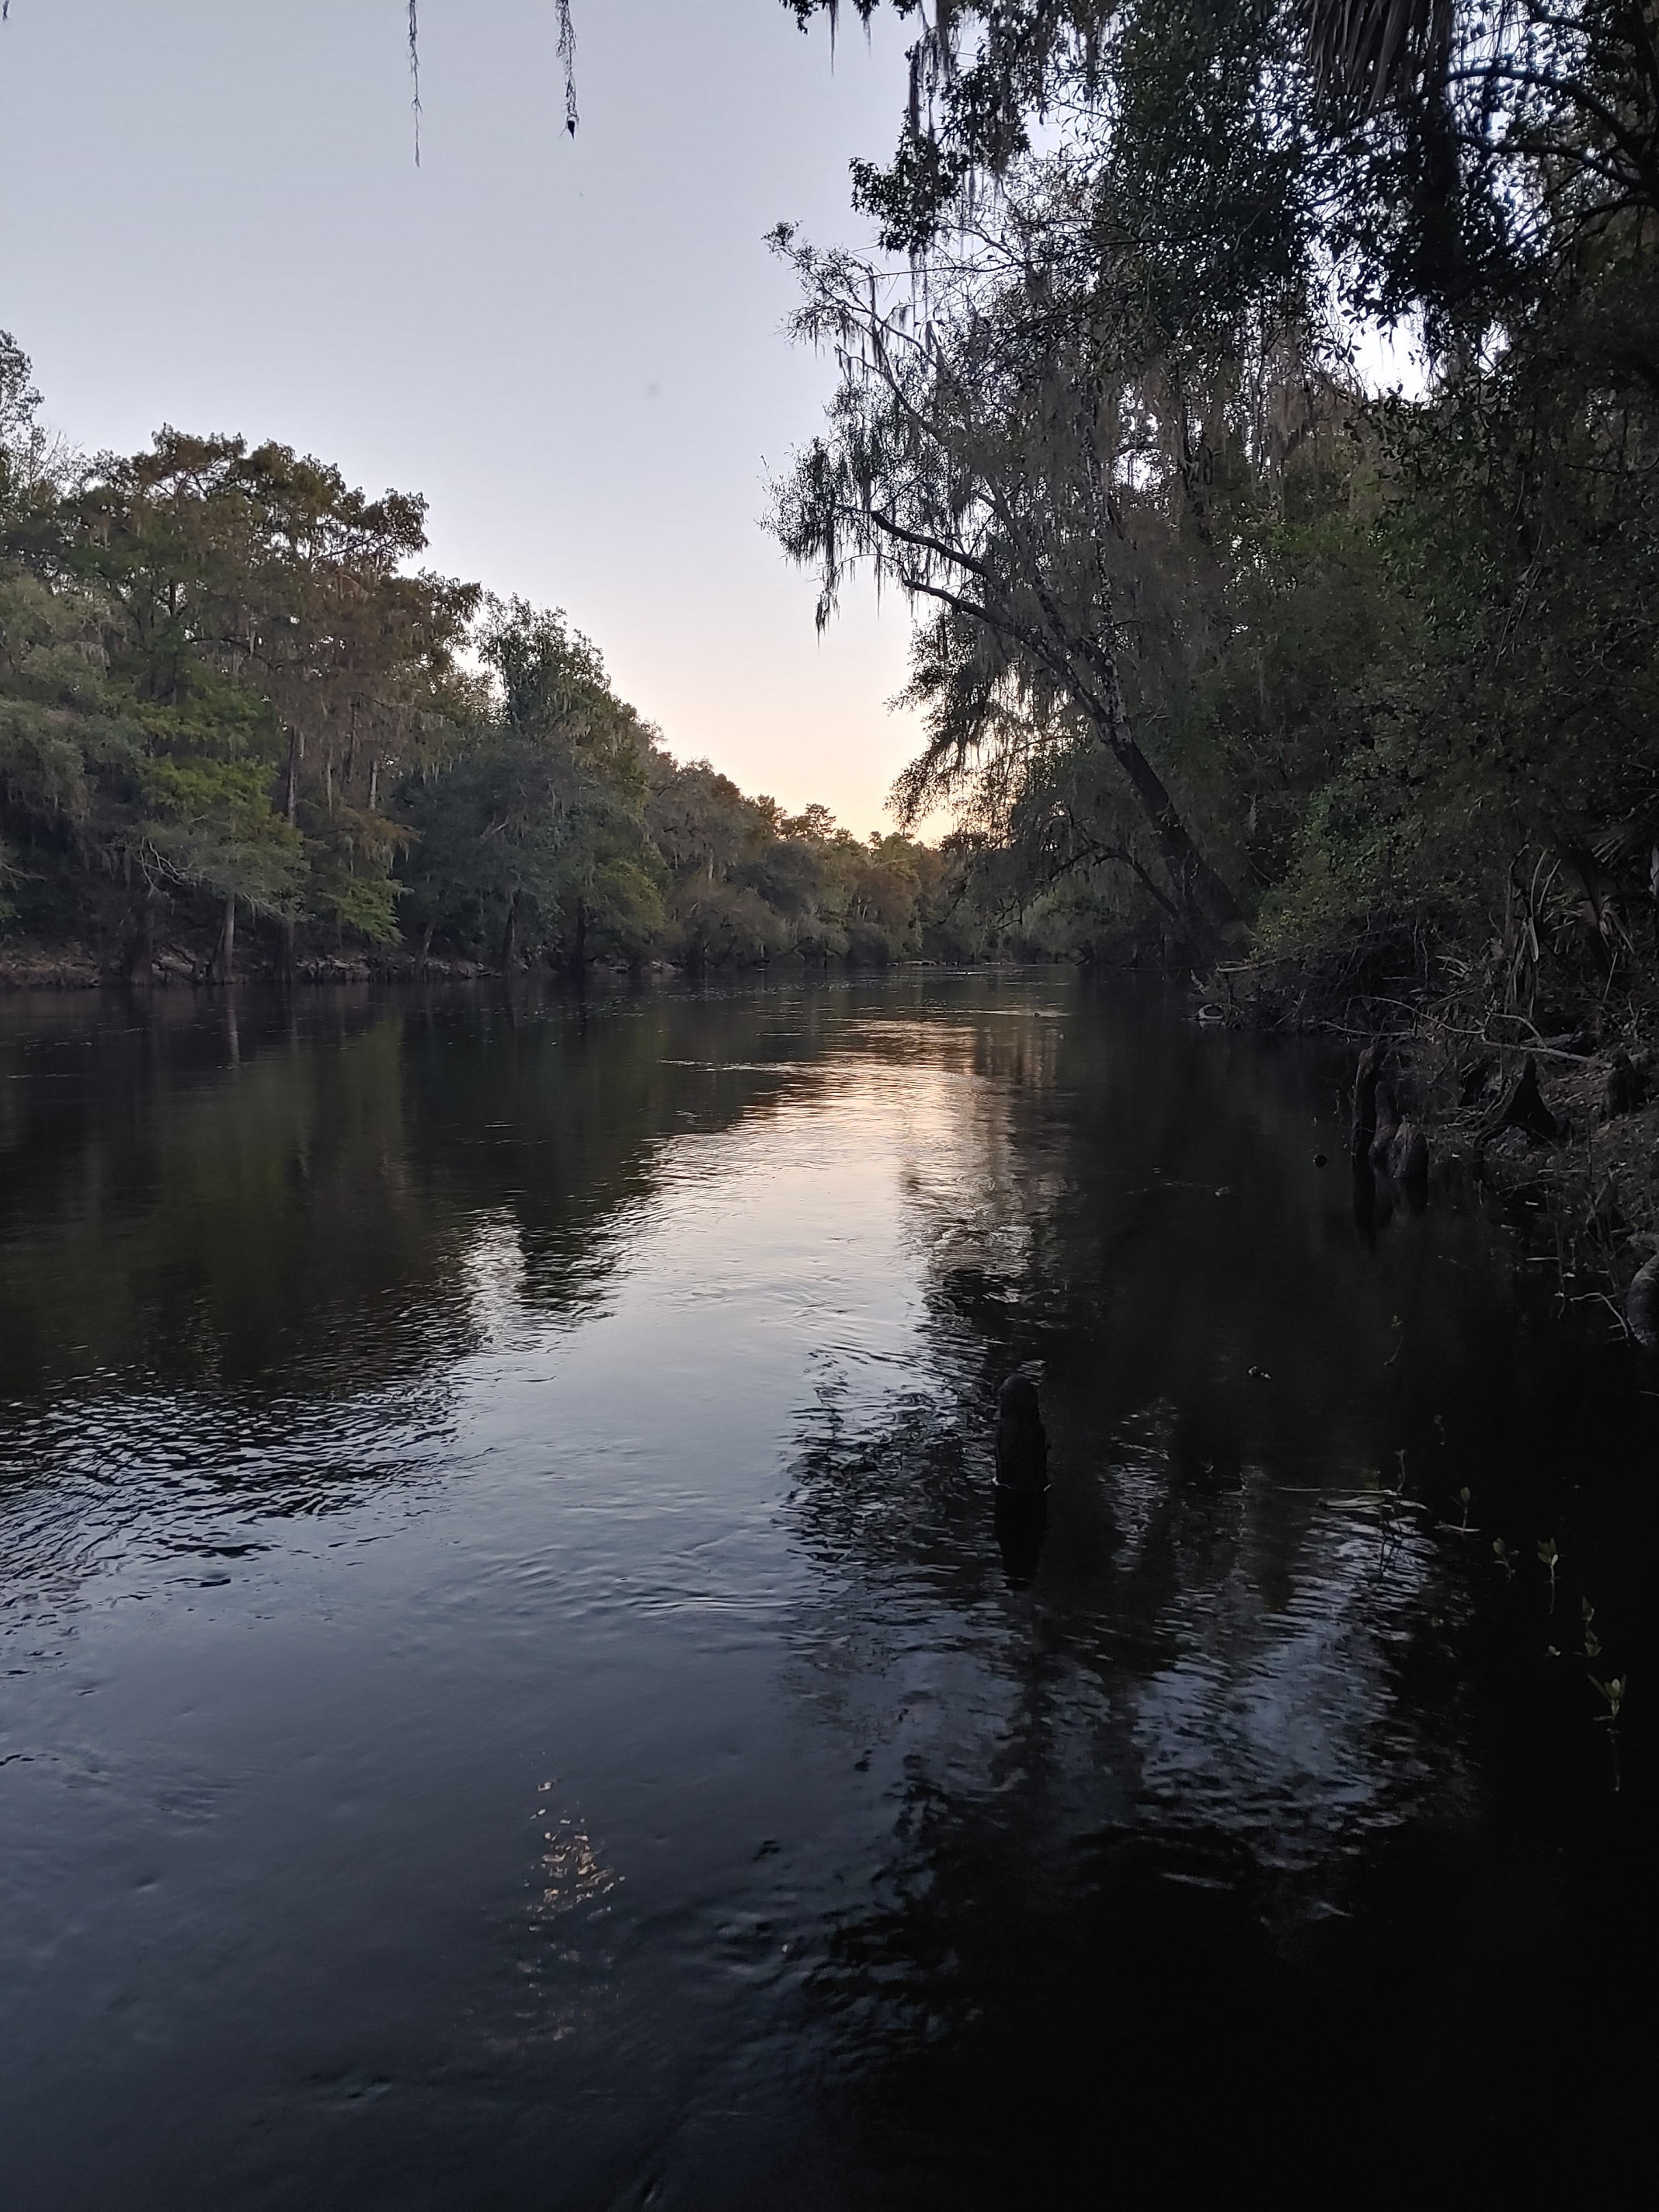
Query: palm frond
{"points": [[1370, 49]]}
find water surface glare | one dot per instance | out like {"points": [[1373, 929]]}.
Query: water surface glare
{"points": [[515, 1691]]}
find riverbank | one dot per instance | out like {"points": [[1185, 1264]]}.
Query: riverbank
{"points": [[1554, 1110], [74, 967]]}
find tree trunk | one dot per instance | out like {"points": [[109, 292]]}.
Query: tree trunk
{"points": [[510, 933], [222, 969], [293, 775], [285, 964], [578, 942], [141, 953], [1207, 905]]}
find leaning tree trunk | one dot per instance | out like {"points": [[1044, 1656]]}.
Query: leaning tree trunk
{"points": [[579, 943], [222, 969], [1207, 905], [510, 933]]}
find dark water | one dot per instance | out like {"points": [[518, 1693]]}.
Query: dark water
{"points": [[514, 1693]]}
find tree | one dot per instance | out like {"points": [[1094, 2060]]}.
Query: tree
{"points": [[533, 836], [282, 664], [67, 751], [216, 662], [984, 452], [732, 895]]}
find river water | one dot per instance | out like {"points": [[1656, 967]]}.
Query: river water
{"points": [[515, 1692]]}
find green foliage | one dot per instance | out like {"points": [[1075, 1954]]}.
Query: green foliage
{"points": [[366, 906], [534, 836], [209, 823], [214, 663], [1510, 708]]}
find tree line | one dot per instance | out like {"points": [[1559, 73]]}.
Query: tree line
{"points": [[234, 706]]}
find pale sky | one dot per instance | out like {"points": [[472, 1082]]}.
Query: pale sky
{"points": [[209, 216]]}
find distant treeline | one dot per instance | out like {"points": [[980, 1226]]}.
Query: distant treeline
{"points": [[240, 725]]}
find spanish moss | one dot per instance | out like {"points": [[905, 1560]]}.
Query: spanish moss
{"points": [[567, 53], [415, 73]]}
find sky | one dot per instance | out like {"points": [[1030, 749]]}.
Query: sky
{"points": [[210, 217]]}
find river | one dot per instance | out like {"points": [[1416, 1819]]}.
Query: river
{"points": [[515, 1692]]}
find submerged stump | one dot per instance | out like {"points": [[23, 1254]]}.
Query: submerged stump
{"points": [[1021, 1443]]}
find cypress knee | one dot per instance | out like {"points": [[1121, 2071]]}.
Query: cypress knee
{"points": [[1364, 1103], [1021, 1444]]}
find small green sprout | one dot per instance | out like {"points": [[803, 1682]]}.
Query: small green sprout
{"points": [[1592, 1641], [1500, 1551], [1614, 1692], [1549, 1557]]}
